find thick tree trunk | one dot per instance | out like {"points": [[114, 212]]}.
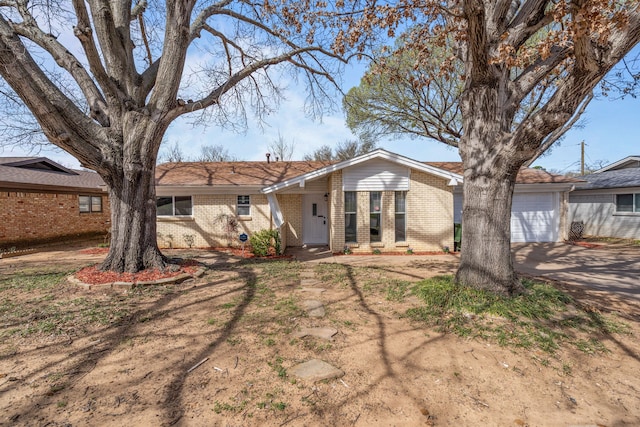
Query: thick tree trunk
{"points": [[131, 182], [485, 261], [490, 172], [133, 223]]}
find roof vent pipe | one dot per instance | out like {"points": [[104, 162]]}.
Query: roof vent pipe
{"points": [[268, 155]]}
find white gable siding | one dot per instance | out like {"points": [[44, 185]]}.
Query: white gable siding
{"points": [[376, 175], [319, 185]]}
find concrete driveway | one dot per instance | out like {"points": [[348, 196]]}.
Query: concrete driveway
{"points": [[605, 269]]}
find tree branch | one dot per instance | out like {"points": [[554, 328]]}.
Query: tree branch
{"points": [[29, 29], [559, 132], [61, 121], [214, 96]]}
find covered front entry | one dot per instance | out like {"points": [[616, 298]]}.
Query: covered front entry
{"points": [[315, 228]]}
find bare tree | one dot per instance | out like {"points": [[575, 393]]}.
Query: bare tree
{"points": [[512, 52], [282, 149], [173, 154], [108, 96], [345, 150], [215, 153]]}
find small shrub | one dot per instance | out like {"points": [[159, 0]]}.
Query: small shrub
{"points": [[265, 243], [189, 239], [410, 251], [347, 250], [377, 252]]}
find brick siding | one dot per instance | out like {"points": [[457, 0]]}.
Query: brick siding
{"points": [[429, 217], [205, 224], [33, 217]]}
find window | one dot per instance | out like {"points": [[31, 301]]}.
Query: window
{"points": [[628, 202], [90, 203], [174, 206], [350, 217], [244, 206], [401, 224], [375, 215]]}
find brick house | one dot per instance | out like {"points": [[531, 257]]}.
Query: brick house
{"points": [[378, 200], [42, 201]]}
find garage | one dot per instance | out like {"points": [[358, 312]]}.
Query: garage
{"points": [[535, 216]]}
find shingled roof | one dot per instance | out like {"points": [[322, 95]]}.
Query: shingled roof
{"points": [[525, 175], [258, 174], [619, 178], [41, 173], [263, 174]]}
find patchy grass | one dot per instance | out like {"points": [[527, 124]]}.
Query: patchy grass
{"points": [[53, 308], [543, 317]]}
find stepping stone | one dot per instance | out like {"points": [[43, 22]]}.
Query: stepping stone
{"points": [[309, 282], [316, 291], [314, 308], [315, 370], [307, 274], [324, 333]]}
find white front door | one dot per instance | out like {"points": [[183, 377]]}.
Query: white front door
{"points": [[316, 223]]}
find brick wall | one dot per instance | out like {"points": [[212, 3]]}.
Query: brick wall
{"points": [[205, 225], [336, 212], [429, 217], [291, 206], [32, 217]]}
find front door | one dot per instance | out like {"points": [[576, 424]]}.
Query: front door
{"points": [[316, 222]]}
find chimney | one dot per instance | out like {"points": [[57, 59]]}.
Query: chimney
{"points": [[268, 156]]}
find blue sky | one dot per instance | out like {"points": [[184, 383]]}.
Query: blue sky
{"points": [[610, 130]]}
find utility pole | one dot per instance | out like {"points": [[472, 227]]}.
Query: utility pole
{"points": [[582, 158]]}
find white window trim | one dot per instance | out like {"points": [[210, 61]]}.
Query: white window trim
{"points": [[633, 204], [238, 205], [395, 213], [350, 213]]}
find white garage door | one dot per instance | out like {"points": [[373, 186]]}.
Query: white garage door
{"points": [[534, 216]]}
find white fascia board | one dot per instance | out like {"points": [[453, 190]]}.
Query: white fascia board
{"points": [[189, 190], [619, 163], [534, 188], [544, 187], [376, 154], [616, 190]]}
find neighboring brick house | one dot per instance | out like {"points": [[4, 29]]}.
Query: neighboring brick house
{"points": [[379, 200], [42, 201]]}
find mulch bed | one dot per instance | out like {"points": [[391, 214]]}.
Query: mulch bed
{"points": [[587, 245], [93, 276]]}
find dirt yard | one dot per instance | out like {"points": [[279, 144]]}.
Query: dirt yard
{"points": [[76, 358]]}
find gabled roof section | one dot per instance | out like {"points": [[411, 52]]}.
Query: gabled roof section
{"points": [[627, 162], [376, 154], [525, 175], [36, 163], [231, 174], [616, 178], [41, 173]]}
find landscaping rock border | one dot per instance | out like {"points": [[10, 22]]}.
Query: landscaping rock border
{"points": [[12, 254], [125, 286]]}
